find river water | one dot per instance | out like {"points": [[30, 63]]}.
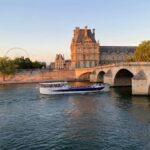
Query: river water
{"points": [[112, 120]]}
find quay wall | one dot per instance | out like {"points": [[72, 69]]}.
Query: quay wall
{"points": [[39, 76]]}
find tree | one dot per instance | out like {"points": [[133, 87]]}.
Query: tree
{"points": [[26, 63], [7, 67], [23, 63], [142, 52], [38, 65]]}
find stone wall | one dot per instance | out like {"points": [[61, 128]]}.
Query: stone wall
{"points": [[40, 76]]}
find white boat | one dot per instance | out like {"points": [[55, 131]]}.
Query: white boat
{"points": [[64, 88]]}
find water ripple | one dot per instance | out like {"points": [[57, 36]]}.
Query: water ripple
{"points": [[111, 121]]}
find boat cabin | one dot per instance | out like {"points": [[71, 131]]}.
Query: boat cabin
{"points": [[53, 85]]}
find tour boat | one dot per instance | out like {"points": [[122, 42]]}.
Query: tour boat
{"points": [[64, 88]]}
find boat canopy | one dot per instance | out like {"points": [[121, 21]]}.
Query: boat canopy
{"points": [[53, 84]]}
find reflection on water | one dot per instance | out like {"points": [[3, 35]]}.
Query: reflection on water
{"points": [[111, 120]]}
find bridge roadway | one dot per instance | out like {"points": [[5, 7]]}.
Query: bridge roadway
{"points": [[135, 74]]}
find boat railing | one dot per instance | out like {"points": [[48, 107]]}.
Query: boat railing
{"points": [[52, 85]]}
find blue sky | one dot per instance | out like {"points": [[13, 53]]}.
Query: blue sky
{"points": [[45, 27]]}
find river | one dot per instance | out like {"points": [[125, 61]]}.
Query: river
{"points": [[112, 120]]}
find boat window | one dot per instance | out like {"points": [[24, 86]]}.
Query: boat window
{"points": [[53, 85]]}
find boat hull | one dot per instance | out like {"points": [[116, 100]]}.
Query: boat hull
{"points": [[78, 90]]}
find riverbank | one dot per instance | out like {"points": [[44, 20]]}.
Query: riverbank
{"points": [[37, 76]]}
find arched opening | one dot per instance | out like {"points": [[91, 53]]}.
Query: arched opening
{"points": [[100, 77], [85, 76], [123, 78]]}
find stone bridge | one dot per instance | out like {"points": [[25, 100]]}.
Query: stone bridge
{"points": [[135, 74]]}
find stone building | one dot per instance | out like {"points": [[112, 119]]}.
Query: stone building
{"points": [[67, 64], [84, 49], [60, 63], [52, 66], [115, 54]]}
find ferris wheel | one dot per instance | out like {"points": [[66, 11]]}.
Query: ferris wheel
{"points": [[17, 52]]}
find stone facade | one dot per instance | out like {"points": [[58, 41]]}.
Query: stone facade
{"points": [[115, 54], [84, 49], [60, 63], [86, 52], [68, 64]]}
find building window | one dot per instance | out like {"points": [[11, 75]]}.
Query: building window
{"points": [[90, 63]]}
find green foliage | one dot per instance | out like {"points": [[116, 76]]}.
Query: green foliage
{"points": [[142, 52], [7, 66], [26, 63], [23, 63], [38, 65]]}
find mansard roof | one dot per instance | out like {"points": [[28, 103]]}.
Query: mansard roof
{"points": [[59, 56], [81, 35], [119, 49]]}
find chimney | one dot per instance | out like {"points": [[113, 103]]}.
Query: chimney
{"points": [[94, 33], [85, 31], [74, 33], [77, 29]]}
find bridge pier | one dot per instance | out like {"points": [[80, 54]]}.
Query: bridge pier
{"points": [[93, 77], [108, 78], [140, 84]]}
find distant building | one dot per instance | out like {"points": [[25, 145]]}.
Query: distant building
{"points": [[67, 64], [115, 54], [60, 63], [84, 49], [87, 52], [52, 66]]}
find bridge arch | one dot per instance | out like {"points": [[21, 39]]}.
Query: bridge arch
{"points": [[100, 76], [123, 77], [85, 76]]}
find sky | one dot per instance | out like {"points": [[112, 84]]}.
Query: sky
{"points": [[45, 27]]}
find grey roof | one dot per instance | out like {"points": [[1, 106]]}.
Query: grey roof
{"points": [[81, 36], [59, 56], [110, 49]]}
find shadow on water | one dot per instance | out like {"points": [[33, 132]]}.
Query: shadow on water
{"points": [[122, 94], [123, 91], [124, 99]]}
